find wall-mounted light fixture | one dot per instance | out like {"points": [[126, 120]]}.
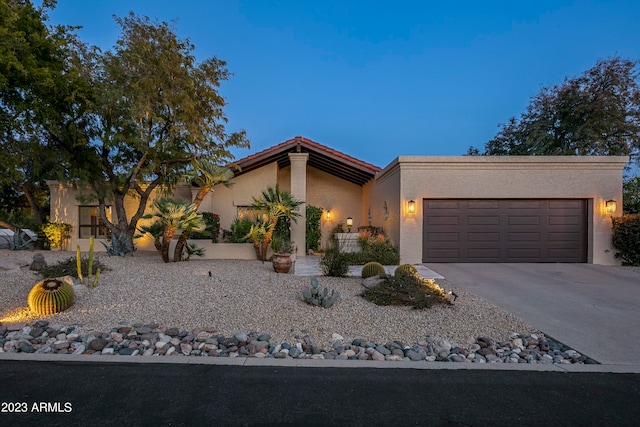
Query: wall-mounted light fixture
{"points": [[328, 215], [610, 206], [349, 223], [411, 207]]}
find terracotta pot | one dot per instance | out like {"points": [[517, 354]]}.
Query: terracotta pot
{"points": [[281, 263]]}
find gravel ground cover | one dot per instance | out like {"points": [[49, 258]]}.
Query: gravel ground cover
{"points": [[244, 296]]}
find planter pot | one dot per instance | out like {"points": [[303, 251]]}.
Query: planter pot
{"points": [[281, 263]]}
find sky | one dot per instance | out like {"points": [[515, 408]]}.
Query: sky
{"points": [[379, 79]]}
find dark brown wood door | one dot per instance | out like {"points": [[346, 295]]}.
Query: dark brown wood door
{"points": [[504, 230]]}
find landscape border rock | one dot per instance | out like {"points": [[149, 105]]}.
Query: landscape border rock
{"points": [[152, 339]]}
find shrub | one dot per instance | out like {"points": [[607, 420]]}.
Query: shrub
{"points": [[407, 290], [57, 233], [69, 267], [376, 248], [238, 231], [334, 262], [626, 238], [371, 269], [314, 231], [212, 230]]}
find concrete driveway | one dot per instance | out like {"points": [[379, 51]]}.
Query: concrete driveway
{"points": [[593, 309]]}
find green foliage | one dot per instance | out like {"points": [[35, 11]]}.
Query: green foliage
{"points": [[371, 269], [314, 231], [190, 249], [281, 245], [212, 228], [50, 296], [626, 238], [371, 230], [57, 233], [68, 267], [238, 231], [280, 206], [406, 290], [405, 269], [118, 245], [34, 89], [334, 262], [376, 248], [631, 195], [596, 113], [314, 296], [175, 215]]}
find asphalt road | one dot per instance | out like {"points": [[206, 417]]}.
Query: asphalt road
{"points": [[97, 394]]}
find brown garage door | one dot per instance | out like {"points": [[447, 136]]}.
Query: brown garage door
{"points": [[505, 230]]}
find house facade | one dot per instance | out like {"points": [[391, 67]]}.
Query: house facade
{"points": [[434, 209]]}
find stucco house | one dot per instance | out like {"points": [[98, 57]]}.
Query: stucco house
{"points": [[434, 208]]}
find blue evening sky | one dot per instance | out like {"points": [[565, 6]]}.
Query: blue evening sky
{"points": [[378, 79]]}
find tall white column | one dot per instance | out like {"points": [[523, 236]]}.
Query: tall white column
{"points": [[299, 191]]}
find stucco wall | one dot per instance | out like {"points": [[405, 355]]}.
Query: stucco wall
{"points": [[596, 179], [381, 193], [225, 201]]}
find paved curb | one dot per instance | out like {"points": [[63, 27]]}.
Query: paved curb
{"points": [[309, 363]]}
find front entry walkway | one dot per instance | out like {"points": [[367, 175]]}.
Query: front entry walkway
{"points": [[594, 309]]}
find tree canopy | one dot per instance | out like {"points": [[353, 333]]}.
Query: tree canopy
{"points": [[595, 113], [124, 122], [33, 62], [156, 112]]}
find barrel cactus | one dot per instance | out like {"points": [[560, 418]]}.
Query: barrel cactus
{"points": [[50, 296], [371, 269], [406, 269]]}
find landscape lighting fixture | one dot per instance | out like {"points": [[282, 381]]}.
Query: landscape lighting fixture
{"points": [[411, 207], [610, 206]]}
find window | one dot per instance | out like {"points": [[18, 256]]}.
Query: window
{"points": [[245, 212], [90, 223]]}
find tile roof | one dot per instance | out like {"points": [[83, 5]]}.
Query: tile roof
{"points": [[320, 157]]}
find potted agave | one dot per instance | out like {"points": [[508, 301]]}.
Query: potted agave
{"points": [[281, 259]]}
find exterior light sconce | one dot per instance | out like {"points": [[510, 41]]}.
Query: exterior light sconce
{"points": [[610, 206], [328, 215], [349, 223], [411, 207]]}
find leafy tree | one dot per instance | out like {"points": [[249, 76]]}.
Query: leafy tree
{"points": [[596, 113], [206, 175], [34, 72], [277, 204], [631, 195], [155, 112]]}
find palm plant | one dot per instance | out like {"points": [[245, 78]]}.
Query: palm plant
{"points": [[256, 235], [277, 204], [205, 175], [176, 215]]}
